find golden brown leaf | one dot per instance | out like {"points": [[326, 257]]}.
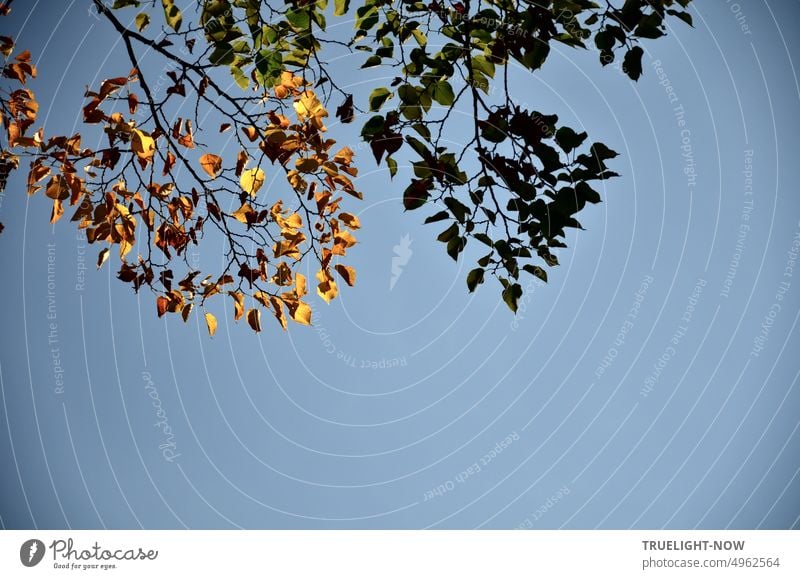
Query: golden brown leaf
{"points": [[242, 213], [277, 308], [211, 164], [347, 273], [58, 211], [350, 220], [238, 304]]}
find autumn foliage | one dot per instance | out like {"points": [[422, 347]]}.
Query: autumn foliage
{"points": [[286, 197]]}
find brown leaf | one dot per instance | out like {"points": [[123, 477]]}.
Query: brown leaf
{"points": [[133, 103], [350, 220], [161, 305], [254, 319]]}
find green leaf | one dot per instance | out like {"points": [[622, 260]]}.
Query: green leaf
{"points": [[685, 16], [408, 94], [373, 126], [483, 238], [240, 77], [534, 58], [418, 146], [392, 166], [457, 208], [568, 139], [371, 61], [511, 296], [440, 216], [481, 63], [456, 246], [448, 233], [269, 65], [340, 7], [416, 194], [298, 19], [172, 14], [377, 97], [443, 93], [536, 271], [222, 54], [423, 130], [366, 17], [474, 278]]}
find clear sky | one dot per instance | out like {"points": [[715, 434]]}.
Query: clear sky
{"points": [[652, 383]]}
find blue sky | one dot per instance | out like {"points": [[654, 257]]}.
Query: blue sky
{"points": [[651, 383]]}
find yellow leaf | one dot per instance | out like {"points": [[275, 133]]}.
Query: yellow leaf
{"points": [[301, 313], [125, 247], [254, 319], [172, 14], [308, 106], [187, 309], [143, 145], [211, 323], [211, 164], [142, 20], [326, 288], [300, 285], [252, 180]]}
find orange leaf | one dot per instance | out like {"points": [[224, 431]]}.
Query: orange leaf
{"points": [[211, 164], [161, 305]]}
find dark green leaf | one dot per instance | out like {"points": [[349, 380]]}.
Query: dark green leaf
{"points": [[474, 278], [377, 97], [448, 233], [440, 216]]}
